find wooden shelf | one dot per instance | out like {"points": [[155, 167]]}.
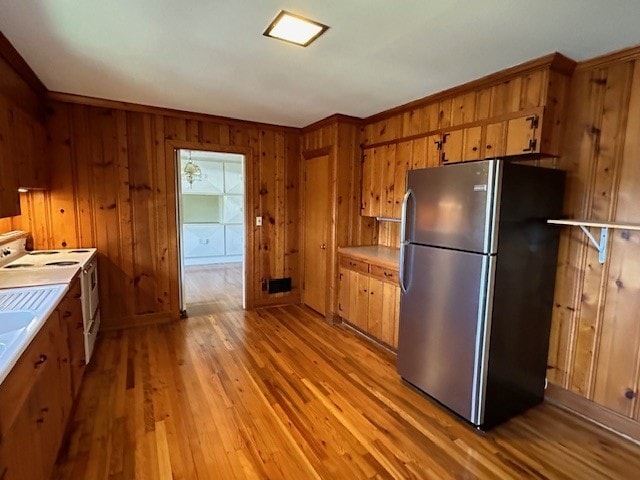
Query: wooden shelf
{"points": [[604, 227]]}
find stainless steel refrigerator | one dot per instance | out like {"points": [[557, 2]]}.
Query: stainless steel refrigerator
{"points": [[477, 271]]}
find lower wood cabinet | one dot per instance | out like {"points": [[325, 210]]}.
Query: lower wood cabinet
{"points": [[369, 299], [71, 315], [36, 398]]}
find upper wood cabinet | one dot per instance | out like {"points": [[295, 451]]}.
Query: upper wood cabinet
{"points": [[514, 113], [9, 199], [29, 150], [23, 164], [461, 145]]}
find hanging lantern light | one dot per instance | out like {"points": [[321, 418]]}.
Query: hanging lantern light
{"points": [[191, 171]]}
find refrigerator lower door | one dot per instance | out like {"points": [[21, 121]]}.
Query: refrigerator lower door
{"points": [[442, 336]]}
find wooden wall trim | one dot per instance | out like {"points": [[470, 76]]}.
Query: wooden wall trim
{"points": [[172, 146], [22, 68], [624, 55], [316, 152], [556, 61], [137, 107], [332, 119], [602, 416]]}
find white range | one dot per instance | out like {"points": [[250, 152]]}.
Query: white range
{"points": [[46, 267]]}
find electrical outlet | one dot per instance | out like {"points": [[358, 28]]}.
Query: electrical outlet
{"points": [[258, 221]]}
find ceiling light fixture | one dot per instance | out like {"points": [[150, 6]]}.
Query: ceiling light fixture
{"points": [[294, 29], [191, 171]]}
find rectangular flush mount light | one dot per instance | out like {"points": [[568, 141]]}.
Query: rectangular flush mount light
{"points": [[294, 29]]}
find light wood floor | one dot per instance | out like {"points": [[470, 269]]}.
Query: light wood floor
{"points": [[208, 288], [278, 393]]}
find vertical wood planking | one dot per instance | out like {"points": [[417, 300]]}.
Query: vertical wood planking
{"points": [[606, 156], [112, 171], [104, 174], [83, 180], [291, 212], [617, 369], [124, 261], [63, 206]]}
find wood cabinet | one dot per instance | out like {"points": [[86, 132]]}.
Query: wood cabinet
{"points": [[461, 145], [369, 299], [33, 416], [70, 309], [29, 150], [9, 198], [37, 395]]}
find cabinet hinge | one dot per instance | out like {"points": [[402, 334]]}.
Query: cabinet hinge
{"points": [[533, 121], [533, 143]]}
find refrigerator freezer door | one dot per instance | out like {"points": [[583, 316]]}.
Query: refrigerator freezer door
{"points": [[442, 326], [452, 207]]}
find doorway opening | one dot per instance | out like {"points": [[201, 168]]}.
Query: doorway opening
{"points": [[211, 230]]}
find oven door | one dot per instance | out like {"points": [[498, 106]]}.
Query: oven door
{"points": [[90, 290]]}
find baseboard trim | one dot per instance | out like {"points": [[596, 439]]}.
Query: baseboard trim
{"points": [[593, 412]]}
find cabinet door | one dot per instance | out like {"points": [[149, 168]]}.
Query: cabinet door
{"points": [[386, 158], [389, 314], [375, 316], [404, 153], [47, 398], [471, 147], [452, 146], [20, 449], [344, 287], [234, 239], [29, 448], [9, 198], [359, 315], [28, 150], [203, 240], [494, 145], [71, 314], [522, 135]]}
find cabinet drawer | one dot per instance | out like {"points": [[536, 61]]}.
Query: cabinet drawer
{"points": [[352, 264], [384, 273]]}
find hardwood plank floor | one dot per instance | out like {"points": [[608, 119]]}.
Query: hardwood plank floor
{"points": [[208, 288], [277, 393]]}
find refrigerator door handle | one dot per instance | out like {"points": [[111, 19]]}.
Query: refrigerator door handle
{"points": [[403, 240]]}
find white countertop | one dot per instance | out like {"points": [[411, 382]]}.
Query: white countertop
{"points": [[37, 276]]}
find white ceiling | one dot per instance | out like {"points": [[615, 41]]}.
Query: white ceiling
{"points": [[210, 55]]}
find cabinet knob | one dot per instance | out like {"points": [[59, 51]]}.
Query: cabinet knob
{"points": [[630, 394], [40, 361], [323, 247], [488, 147], [475, 149]]}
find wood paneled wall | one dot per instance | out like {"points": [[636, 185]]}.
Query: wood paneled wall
{"points": [[595, 341], [113, 187], [340, 137]]}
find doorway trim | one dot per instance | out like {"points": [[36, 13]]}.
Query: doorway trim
{"points": [[173, 159]]}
